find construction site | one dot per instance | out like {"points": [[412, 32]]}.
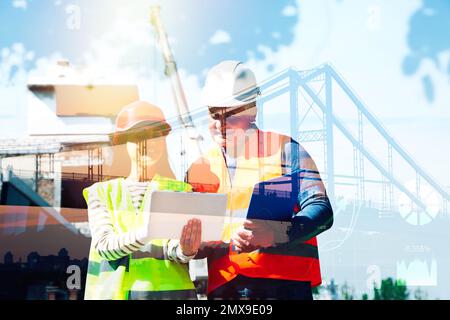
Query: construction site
{"points": [[373, 183]]}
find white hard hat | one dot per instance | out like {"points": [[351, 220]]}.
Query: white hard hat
{"points": [[230, 84]]}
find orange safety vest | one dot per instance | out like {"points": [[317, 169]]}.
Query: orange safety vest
{"points": [[260, 160]]}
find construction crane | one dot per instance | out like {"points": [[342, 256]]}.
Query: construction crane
{"points": [[171, 71]]}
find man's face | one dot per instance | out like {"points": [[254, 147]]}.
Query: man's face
{"points": [[227, 122]]}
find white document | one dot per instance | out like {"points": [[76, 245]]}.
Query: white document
{"points": [[170, 211]]}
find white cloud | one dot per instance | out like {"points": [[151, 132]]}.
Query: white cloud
{"points": [[13, 77], [12, 66], [20, 4], [220, 36], [276, 35], [289, 11]]}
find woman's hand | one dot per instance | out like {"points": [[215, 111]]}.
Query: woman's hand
{"points": [[191, 237]]}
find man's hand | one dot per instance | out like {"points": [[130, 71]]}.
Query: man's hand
{"points": [[263, 234], [191, 237], [254, 234], [241, 240]]}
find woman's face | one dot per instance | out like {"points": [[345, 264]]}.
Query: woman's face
{"points": [[155, 150]]}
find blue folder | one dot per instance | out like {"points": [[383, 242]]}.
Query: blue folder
{"points": [[274, 199]]}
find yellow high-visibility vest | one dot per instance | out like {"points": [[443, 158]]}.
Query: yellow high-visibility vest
{"points": [[141, 275]]}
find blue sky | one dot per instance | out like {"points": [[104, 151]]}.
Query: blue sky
{"points": [[204, 31]]}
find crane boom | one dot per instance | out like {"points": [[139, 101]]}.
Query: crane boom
{"points": [[171, 72]]}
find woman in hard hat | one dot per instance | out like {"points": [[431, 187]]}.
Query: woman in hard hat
{"points": [[123, 262]]}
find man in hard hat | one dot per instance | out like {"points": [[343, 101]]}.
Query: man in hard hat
{"points": [[256, 260]]}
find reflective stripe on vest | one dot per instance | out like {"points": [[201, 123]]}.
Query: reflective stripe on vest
{"points": [[147, 274], [299, 262]]}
